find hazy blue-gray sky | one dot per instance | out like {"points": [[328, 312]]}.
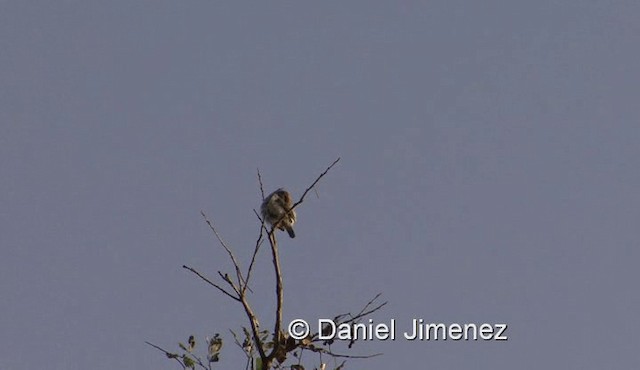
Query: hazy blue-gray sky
{"points": [[490, 172]]}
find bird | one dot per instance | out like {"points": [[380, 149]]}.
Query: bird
{"points": [[277, 210]]}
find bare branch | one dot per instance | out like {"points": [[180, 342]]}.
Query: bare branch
{"points": [[365, 311], [210, 282], [296, 204], [253, 320], [235, 339], [168, 354], [260, 182], [224, 245], [226, 278], [314, 183], [256, 249], [338, 319], [240, 289]]}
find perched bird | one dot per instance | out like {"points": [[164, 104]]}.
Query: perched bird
{"points": [[276, 210]]}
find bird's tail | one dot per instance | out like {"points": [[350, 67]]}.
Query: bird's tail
{"points": [[291, 233]]}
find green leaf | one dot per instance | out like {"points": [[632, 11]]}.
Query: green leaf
{"points": [[188, 362]]}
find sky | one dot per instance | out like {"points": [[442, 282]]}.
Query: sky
{"points": [[489, 173]]}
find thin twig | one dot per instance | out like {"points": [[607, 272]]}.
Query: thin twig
{"points": [[211, 282], [314, 183], [235, 339], [255, 251], [296, 204], [196, 358], [364, 311], [168, 354], [259, 241], [226, 278], [260, 182], [224, 245]]}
